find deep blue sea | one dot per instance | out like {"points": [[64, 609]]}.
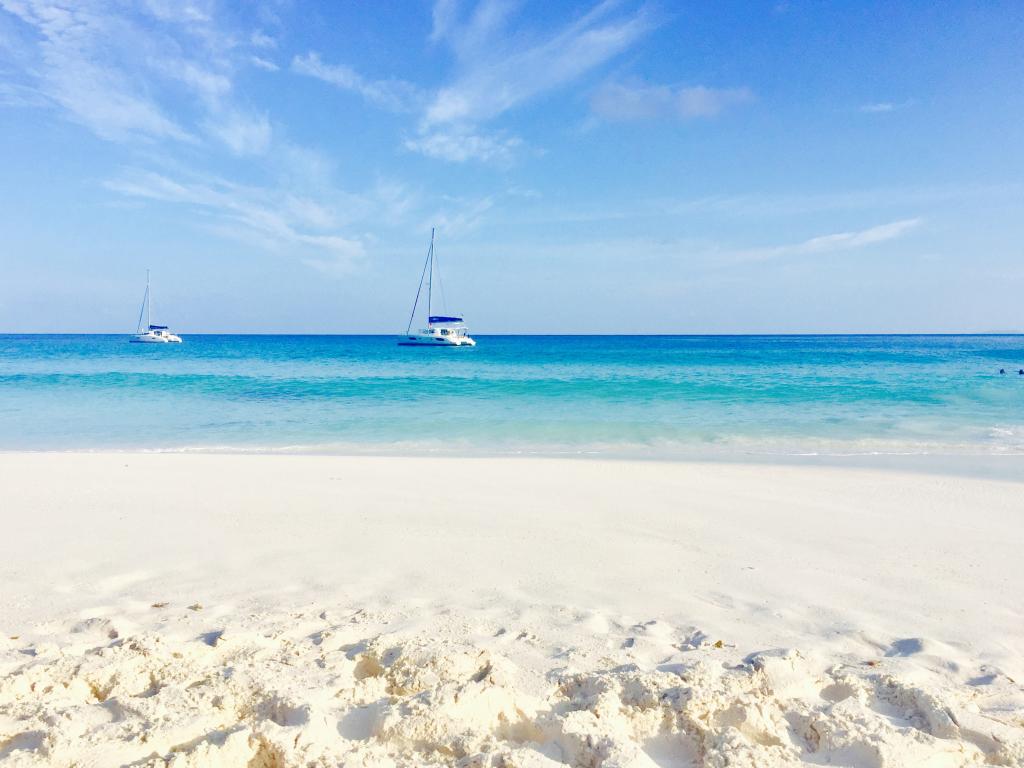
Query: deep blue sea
{"points": [[654, 396]]}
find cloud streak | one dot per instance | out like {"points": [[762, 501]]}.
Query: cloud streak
{"points": [[458, 146], [268, 217], [844, 241], [500, 67], [243, 134], [762, 206], [394, 95], [117, 69], [628, 102], [832, 243], [881, 107], [498, 72]]}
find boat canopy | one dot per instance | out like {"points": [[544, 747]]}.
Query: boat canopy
{"points": [[444, 319], [158, 327]]}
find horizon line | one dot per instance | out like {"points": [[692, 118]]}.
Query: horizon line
{"points": [[527, 335]]}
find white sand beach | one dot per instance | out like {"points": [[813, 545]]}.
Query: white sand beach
{"points": [[226, 610]]}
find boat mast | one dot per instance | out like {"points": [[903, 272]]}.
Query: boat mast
{"points": [[419, 286], [430, 277], [149, 304], [142, 308]]}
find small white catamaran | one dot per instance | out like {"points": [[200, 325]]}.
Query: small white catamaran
{"points": [[154, 334], [442, 330]]}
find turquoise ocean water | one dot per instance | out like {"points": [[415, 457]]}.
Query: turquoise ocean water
{"points": [[584, 395]]}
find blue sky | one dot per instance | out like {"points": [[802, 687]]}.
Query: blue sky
{"points": [[611, 166]]}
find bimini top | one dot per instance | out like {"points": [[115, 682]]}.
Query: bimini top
{"points": [[158, 327], [444, 319]]}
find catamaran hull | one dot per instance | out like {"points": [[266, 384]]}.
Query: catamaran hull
{"points": [[429, 342], [154, 340]]}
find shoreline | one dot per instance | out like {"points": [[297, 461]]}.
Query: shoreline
{"points": [[1003, 466], [326, 600]]}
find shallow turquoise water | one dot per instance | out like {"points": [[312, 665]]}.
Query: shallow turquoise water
{"points": [[652, 396]]}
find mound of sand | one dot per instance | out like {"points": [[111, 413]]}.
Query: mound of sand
{"points": [[358, 688]]}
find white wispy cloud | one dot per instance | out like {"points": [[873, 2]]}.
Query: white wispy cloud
{"points": [[842, 241], [185, 11], [699, 255], [444, 15], [241, 133], [120, 70], [208, 84], [301, 213], [268, 217], [262, 40], [708, 254], [264, 64], [460, 145], [523, 192], [879, 107], [769, 205], [458, 216], [831, 243], [19, 95], [640, 101], [500, 67], [498, 71], [395, 95]]}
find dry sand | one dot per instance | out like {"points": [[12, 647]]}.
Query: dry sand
{"points": [[182, 610]]}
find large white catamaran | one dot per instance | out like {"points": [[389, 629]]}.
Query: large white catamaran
{"points": [[154, 334], [442, 330]]}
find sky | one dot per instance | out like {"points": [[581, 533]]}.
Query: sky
{"points": [[590, 167]]}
